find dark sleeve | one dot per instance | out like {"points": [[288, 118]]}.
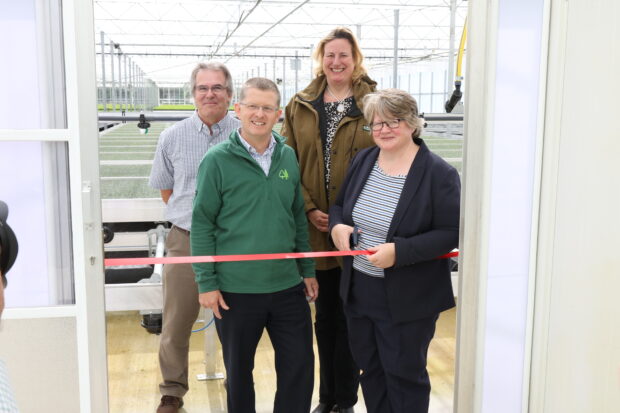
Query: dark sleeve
{"points": [[443, 236]]}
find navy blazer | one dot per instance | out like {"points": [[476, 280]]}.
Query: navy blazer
{"points": [[425, 226]]}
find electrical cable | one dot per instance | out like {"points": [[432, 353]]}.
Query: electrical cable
{"points": [[457, 94], [205, 326]]}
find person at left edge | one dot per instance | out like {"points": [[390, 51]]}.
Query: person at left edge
{"points": [[179, 152], [249, 201], [8, 255]]}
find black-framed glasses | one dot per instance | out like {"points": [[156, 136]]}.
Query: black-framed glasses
{"points": [[217, 89], [392, 124], [269, 110]]}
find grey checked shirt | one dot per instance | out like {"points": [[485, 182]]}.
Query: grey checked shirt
{"points": [[180, 149], [264, 159]]}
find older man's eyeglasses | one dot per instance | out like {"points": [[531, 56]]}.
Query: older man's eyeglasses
{"points": [[268, 110], [392, 124], [217, 89]]}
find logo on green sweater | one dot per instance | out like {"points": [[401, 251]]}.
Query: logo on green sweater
{"points": [[283, 174]]}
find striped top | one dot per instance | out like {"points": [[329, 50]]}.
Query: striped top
{"points": [[373, 214], [264, 159], [180, 149]]}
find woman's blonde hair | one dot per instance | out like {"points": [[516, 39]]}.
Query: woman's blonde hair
{"points": [[358, 57], [393, 104]]}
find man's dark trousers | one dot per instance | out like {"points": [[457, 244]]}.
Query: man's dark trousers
{"points": [[286, 316]]}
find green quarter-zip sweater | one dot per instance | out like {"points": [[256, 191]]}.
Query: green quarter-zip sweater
{"points": [[240, 210]]}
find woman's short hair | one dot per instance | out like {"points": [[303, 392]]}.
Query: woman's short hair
{"points": [[358, 57], [213, 66], [259, 83], [393, 104]]}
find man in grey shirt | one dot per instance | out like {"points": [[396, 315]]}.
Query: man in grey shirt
{"points": [[180, 149]]}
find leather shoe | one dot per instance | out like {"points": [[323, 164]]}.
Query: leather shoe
{"points": [[170, 404], [323, 408], [346, 410]]}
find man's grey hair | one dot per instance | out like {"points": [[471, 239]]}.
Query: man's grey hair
{"points": [[259, 83], [216, 67]]}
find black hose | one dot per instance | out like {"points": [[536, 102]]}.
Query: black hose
{"points": [[455, 98]]}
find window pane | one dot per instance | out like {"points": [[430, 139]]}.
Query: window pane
{"points": [[35, 184], [31, 74]]}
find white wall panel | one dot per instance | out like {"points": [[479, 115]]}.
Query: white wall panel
{"points": [[577, 346], [43, 373]]}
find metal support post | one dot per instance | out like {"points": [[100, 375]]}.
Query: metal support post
{"points": [[120, 80], [432, 89], [448, 86], [126, 82], [113, 90], [210, 349], [395, 73], [419, 88], [283, 78], [144, 91], [137, 88], [132, 71], [446, 89], [310, 60], [296, 70], [104, 92], [132, 84]]}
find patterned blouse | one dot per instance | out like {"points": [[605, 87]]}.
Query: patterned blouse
{"points": [[333, 119]]}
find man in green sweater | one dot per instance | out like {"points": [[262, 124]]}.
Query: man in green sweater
{"points": [[249, 201]]}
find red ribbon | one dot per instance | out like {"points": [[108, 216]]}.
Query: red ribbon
{"points": [[108, 262]]}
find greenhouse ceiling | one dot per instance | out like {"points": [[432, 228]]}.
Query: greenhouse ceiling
{"points": [[166, 38]]}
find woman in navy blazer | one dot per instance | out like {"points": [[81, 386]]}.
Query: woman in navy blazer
{"points": [[405, 201]]}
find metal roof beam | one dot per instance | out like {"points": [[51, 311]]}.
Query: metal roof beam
{"points": [[267, 55], [261, 23], [403, 5], [129, 45]]}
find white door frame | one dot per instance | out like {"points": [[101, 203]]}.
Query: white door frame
{"points": [[81, 136]]}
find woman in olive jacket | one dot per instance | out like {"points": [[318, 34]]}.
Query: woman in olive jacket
{"points": [[325, 126]]}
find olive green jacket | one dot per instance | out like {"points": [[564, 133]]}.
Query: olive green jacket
{"points": [[302, 130]]}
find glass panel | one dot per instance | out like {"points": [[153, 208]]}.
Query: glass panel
{"points": [[32, 85], [35, 185]]}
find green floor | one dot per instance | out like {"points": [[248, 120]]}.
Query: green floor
{"points": [[122, 178]]}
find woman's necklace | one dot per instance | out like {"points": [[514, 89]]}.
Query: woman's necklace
{"points": [[340, 107]]}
